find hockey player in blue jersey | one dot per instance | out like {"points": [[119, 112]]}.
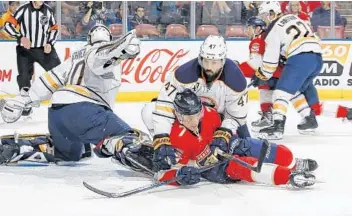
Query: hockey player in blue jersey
{"points": [[82, 91], [217, 80]]}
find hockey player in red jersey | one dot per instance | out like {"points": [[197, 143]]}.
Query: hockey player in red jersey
{"points": [[256, 30], [195, 137], [192, 136]]}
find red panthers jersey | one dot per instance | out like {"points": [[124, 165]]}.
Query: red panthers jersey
{"points": [[256, 51], [192, 149]]}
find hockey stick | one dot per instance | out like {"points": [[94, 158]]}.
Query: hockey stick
{"points": [[262, 156], [250, 84], [21, 136], [146, 187]]}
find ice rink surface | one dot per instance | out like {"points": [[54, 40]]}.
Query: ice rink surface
{"points": [[58, 191]]}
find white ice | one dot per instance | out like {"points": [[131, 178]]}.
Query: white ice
{"points": [[58, 191]]}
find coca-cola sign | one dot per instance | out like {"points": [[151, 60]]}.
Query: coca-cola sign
{"points": [[153, 66], [150, 67]]}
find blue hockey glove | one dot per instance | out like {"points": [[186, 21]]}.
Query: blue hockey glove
{"points": [[129, 143], [258, 78], [164, 154], [221, 140], [188, 175], [240, 146]]}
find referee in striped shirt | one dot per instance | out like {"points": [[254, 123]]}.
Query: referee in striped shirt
{"points": [[36, 37]]}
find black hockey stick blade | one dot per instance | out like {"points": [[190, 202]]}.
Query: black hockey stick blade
{"points": [[261, 158], [262, 155]]}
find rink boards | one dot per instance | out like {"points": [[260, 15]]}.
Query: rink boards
{"points": [[143, 77]]}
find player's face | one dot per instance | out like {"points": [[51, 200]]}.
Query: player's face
{"points": [[13, 7], [294, 7], [250, 32], [191, 122], [211, 66]]}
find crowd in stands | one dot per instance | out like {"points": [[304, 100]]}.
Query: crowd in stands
{"points": [[171, 19]]}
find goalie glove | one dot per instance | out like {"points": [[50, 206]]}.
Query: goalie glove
{"points": [[126, 47], [12, 108]]}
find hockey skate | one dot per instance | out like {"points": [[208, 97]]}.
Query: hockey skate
{"points": [[305, 165], [265, 120], [275, 131], [308, 124], [301, 179], [27, 111]]}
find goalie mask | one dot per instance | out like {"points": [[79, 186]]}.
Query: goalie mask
{"points": [[99, 33], [188, 109]]}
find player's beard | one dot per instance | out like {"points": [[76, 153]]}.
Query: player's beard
{"points": [[210, 76]]}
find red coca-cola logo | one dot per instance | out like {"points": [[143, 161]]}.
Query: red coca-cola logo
{"points": [[153, 66], [149, 68]]}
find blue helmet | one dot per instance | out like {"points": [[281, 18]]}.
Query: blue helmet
{"points": [[256, 21], [187, 103]]}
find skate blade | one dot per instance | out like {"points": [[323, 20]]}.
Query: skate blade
{"points": [[310, 132], [256, 129], [314, 181], [274, 136]]}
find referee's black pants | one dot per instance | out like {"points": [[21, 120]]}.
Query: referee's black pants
{"points": [[26, 59]]}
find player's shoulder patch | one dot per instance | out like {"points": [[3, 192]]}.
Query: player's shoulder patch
{"points": [[188, 72], [233, 77], [255, 46]]}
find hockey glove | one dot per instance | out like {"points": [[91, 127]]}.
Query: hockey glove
{"points": [[221, 140], [164, 154], [259, 78], [188, 175], [13, 108], [119, 146], [8, 152], [240, 146]]}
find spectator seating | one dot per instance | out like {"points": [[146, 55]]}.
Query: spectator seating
{"points": [[236, 31], [206, 30], [116, 30], [176, 30], [65, 33], [324, 32], [146, 30]]}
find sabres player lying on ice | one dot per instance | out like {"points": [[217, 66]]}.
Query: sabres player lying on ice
{"points": [[82, 91], [192, 138]]}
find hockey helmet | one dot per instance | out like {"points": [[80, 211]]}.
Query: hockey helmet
{"points": [[187, 103], [99, 33], [213, 47], [268, 8]]}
